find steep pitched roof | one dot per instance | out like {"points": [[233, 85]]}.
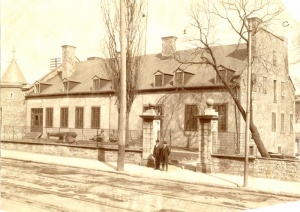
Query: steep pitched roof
{"points": [[230, 56], [13, 75]]}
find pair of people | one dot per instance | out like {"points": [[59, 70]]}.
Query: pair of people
{"points": [[161, 155]]}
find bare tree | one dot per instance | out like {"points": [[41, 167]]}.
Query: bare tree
{"points": [[135, 26], [206, 17]]}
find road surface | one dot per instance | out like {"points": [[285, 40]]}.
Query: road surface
{"points": [[32, 187]]}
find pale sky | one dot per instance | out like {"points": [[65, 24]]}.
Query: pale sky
{"points": [[37, 29]]}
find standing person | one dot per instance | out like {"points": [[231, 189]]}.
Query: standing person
{"points": [[164, 156], [156, 155]]}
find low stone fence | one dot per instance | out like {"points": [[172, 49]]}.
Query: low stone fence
{"points": [[279, 169], [101, 153]]}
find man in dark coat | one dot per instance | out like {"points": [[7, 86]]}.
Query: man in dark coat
{"points": [[156, 155], [164, 156]]}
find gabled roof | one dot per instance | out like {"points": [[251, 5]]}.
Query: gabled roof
{"points": [[13, 75], [231, 56]]}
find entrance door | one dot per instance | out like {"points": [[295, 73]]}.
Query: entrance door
{"points": [[37, 120]]}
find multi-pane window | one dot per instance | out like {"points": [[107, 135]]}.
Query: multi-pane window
{"points": [[179, 78], [158, 80], [190, 122], [79, 117], [64, 117], [275, 90], [265, 84], [222, 111], [273, 122], [96, 84], [282, 122], [95, 118], [282, 89], [291, 122], [49, 117], [65, 84]]}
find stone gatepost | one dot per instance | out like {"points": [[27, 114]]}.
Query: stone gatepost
{"points": [[151, 132], [208, 134]]}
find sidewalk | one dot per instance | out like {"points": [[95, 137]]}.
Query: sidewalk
{"points": [[174, 173]]}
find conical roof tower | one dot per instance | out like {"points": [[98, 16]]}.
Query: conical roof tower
{"points": [[13, 75]]}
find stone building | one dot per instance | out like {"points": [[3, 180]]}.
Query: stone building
{"points": [[78, 95], [13, 89]]}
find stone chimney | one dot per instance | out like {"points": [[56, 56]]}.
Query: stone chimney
{"points": [[68, 61], [256, 24], [168, 46]]}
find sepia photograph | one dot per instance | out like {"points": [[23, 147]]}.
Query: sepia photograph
{"points": [[150, 105]]}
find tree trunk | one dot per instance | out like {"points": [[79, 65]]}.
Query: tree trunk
{"points": [[127, 130], [255, 134]]}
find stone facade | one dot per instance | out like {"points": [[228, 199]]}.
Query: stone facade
{"points": [[273, 93], [13, 106]]}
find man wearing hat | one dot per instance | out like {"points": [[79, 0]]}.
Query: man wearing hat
{"points": [[164, 156], [156, 155]]}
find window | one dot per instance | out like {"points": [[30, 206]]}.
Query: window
{"points": [[79, 117], [49, 117], [179, 78], [291, 122], [95, 118], [265, 84], [224, 74], [65, 86], [190, 120], [37, 88], [158, 80], [11, 95], [274, 58], [282, 89], [64, 117], [222, 110], [273, 122], [275, 90], [282, 123], [96, 84]]}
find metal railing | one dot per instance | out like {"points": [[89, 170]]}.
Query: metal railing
{"points": [[232, 143], [135, 137]]}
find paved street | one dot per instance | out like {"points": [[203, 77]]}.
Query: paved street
{"points": [[30, 186]]}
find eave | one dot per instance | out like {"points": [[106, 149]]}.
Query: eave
{"points": [[150, 90]]}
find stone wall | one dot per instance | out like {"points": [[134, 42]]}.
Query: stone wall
{"points": [[97, 153], [13, 106], [231, 165], [279, 169]]}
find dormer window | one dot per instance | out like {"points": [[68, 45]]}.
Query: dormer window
{"points": [[159, 80], [65, 84], [179, 78], [96, 84], [37, 88], [225, 74]]}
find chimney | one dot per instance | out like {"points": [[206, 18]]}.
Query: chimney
{"points": [[68, 61], [256, 22], [168, 46]]}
